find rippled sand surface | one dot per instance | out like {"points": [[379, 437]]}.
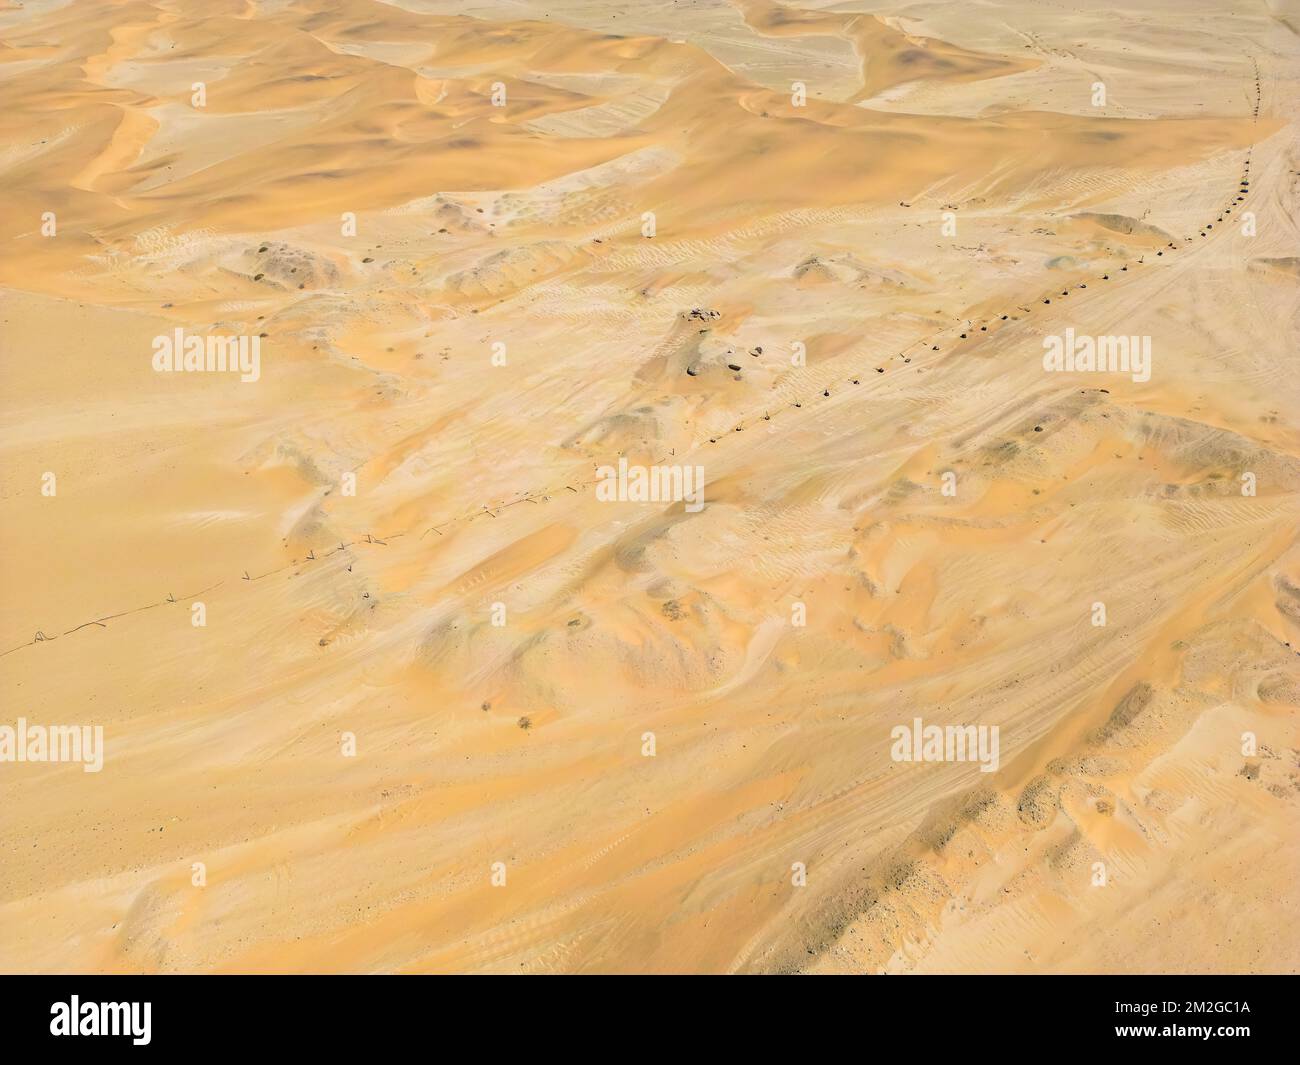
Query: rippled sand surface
{"points": [[387, 686]]}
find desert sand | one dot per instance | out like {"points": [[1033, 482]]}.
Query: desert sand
{"points": [[447, 709]]}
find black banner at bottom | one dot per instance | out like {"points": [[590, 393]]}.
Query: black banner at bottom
{"points": [[336, 1014]]}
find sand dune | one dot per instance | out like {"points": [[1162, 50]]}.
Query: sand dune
{"points": [[449, 707]]}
